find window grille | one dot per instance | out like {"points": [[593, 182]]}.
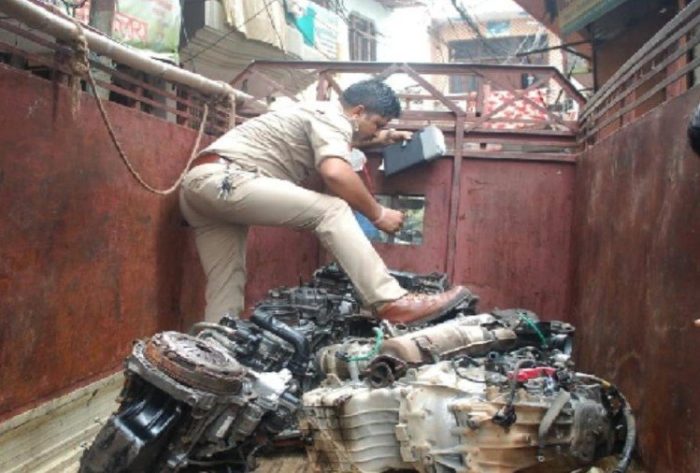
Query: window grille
{"points": [[363, 38]]}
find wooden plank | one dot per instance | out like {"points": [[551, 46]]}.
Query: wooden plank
{"points": [[52, 436]]}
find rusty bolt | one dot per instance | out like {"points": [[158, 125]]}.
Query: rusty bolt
{"points": [[697, 323]]}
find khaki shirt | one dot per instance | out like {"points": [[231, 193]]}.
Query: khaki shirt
{"points": [[288, 144]]}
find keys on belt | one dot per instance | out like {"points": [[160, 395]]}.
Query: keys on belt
{"points": [[226, 185]]}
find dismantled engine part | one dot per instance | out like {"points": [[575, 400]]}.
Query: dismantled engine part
{"points": [[464, 335], [164, 424], [440, 418], [472, 393], [478, 335], [194, 363]]}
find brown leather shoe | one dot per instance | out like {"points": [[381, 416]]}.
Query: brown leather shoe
{"points": [[421, 308]]}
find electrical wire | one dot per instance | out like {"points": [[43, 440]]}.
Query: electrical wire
{"points": [[274, 28], [526, 38], [534, 326], [472, 24], [503, 55], [378, 340]]}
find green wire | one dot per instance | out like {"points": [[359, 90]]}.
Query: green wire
{"points": [[378, 339], [534, 326]]}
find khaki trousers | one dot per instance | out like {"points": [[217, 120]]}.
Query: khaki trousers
{"points": [[221, 226]]}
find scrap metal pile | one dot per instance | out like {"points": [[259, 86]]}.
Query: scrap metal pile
{"points": [[490, 392]]}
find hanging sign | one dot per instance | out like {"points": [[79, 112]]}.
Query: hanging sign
{"points": [[319, 27], [152, 26]]}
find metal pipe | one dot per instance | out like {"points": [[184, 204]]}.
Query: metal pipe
{"points": [[200, 326], [63, 28], [630, 439], [264, 318]]}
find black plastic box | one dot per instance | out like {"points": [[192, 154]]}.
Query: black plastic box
{"points": [[425, 145]]}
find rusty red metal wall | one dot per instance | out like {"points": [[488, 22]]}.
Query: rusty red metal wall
{"points": [[90, 261], [514, 234], [637, 278], [513, 231], [278, 257], [434, 182]]}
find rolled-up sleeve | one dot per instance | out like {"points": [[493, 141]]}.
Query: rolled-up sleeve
{"points": [[330, 135]]}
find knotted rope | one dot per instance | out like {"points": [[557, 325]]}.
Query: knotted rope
{"points": [[80, 67]]}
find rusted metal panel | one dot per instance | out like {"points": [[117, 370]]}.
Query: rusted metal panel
{"points": [[637, 279], [130, 86], [90, 261], [451, 257], [420, 68], [434, 182], [655, 73], [513, 234], [278, 257], [513, 238]]}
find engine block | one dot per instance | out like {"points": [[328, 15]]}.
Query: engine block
{"points": [[444, 418], [493, 392]]}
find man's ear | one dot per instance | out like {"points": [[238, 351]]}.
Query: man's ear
{"points": [[357, 110]]}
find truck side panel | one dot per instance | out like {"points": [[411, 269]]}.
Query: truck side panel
{"points": [[637, 278]]}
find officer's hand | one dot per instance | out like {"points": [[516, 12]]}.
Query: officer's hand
{"points": [[391, 135], [391, 220]]}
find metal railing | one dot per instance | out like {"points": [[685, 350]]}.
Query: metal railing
{"points": [[506, 108], [38, 39], [662, 69]]}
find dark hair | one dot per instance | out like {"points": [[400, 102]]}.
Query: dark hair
{"points": [[375, 95], [694, 131]]}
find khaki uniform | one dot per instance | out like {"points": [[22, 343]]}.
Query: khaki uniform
{"points": [[269, 156]]}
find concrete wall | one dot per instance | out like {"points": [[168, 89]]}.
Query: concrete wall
{"points": [[637, 277]]}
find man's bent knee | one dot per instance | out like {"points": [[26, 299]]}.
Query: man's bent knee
{"points": [[336, 206]]}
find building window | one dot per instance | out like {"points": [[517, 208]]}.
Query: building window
{"points": [[494, 51], [363, 38]]}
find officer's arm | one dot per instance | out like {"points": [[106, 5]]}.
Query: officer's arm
{"points": [[342, 181], [383, 138]]}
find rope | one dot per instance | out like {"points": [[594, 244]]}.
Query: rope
{"points": [[229, 101], [80, 66]]}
